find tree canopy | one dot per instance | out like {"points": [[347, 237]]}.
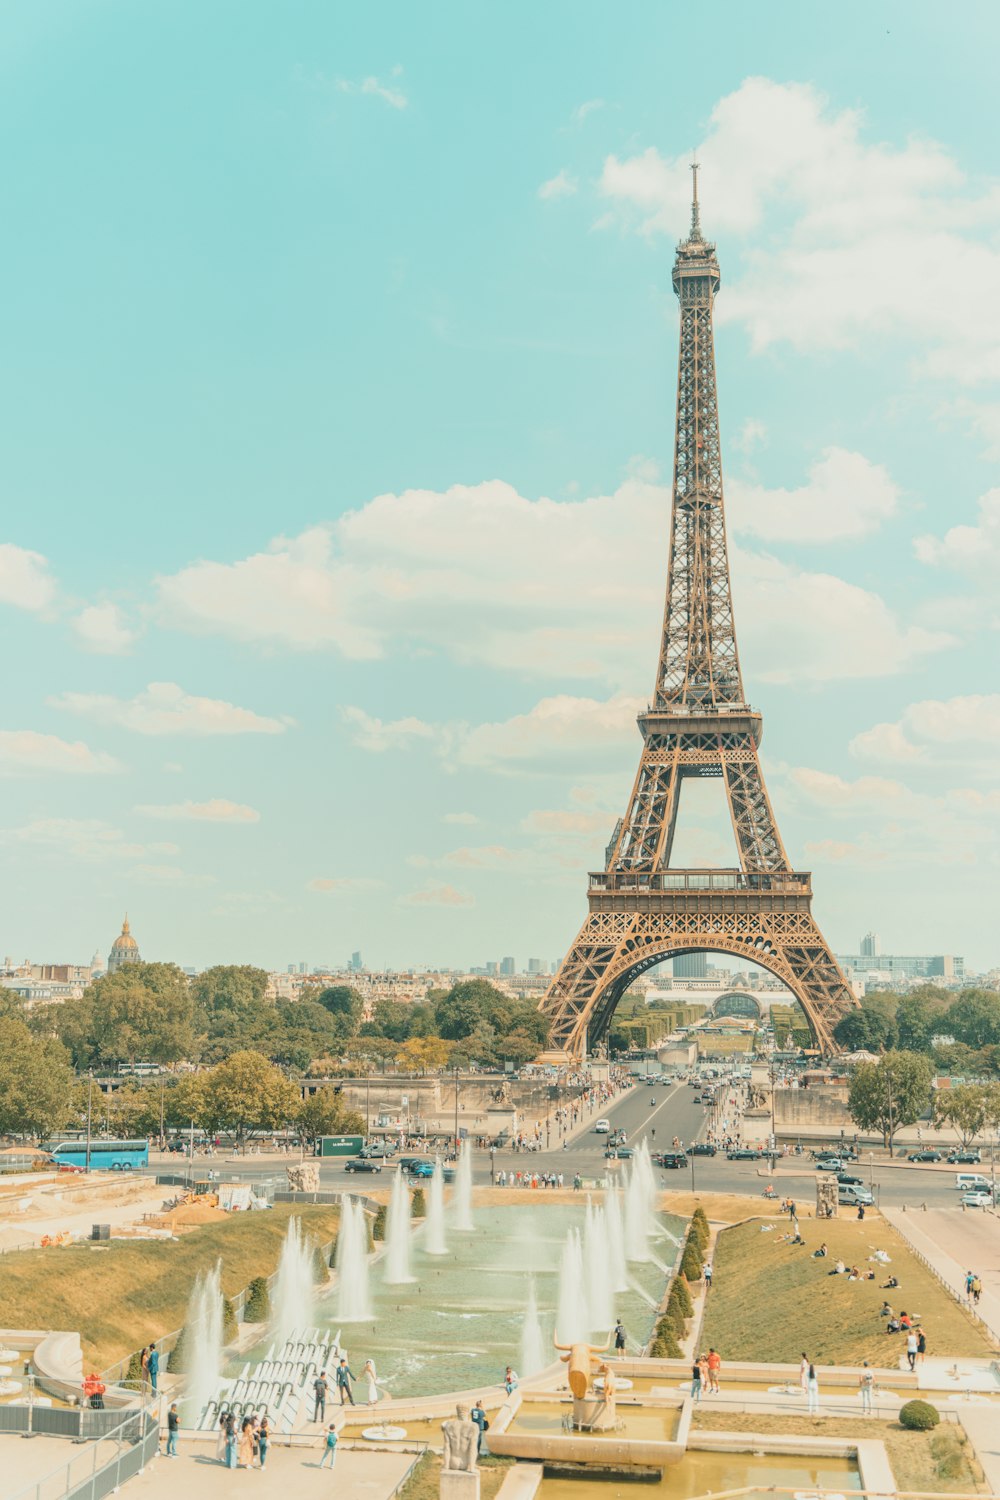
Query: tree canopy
{"points": [[890, 1094]]}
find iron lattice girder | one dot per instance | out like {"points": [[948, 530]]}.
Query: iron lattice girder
{"points": [[699, 725]]}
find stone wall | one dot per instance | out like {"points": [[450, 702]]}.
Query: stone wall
{"points": [[818, 1105]]}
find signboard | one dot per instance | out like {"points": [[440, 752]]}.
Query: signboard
{"points": [[339, 1145]]}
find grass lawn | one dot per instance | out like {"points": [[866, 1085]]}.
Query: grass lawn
{"points": [[122, 1294], [771, 1301], [723, 1208], [425, 1481], [941, 1461]]}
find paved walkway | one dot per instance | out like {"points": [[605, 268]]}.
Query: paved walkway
{"points": [[289, 1471], [953, 1243]]}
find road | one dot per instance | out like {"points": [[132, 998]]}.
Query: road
{"points": [[667, 1111]]}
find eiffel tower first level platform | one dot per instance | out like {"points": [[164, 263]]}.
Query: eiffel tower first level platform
{"points": [[698, 724]]}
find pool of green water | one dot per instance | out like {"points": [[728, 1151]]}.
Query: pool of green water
{"points": [[709, 1473], [547, 1418]]}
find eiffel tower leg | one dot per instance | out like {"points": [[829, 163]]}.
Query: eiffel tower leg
{"points": [[614, 947], [757, 836]]}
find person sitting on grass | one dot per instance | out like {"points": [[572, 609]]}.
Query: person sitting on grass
{"points": [[855, 1274], [885, 1311], [839, 1269], [821, 1253], [888, 1285]]}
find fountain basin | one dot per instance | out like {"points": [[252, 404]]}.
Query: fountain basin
{"points": [[383, 1434], [651, 1436]]}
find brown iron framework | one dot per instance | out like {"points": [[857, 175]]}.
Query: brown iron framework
{"points": [[698, 724]]}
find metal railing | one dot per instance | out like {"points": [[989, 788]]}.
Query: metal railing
{"points": [[109, 1459], [798, 882]]}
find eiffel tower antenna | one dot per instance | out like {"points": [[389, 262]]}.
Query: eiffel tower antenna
{"points": [[699, 724]]}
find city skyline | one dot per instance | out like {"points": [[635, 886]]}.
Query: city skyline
{"points": [[327, 445]]}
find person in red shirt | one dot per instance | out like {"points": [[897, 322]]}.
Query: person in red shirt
{"points": [[714, 1366]]}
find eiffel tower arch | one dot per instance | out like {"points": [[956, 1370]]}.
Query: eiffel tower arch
{"points": [[698, 724]]}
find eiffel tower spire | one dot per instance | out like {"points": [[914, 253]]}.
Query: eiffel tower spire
{"points": [[698, 724]]}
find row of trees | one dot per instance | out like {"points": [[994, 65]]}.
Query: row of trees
{"points": [[960, 1033], [896, 1091], [154, 1013]]}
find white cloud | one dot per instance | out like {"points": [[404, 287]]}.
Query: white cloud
{"points": [[557, 734], [846, 496], [83, 838], [218, 810], [25, 580], [168, 875], [854, 239], [103, 628], [378, 735], [438, 895], [969, 549], [465, 818], [390, 94], [565, 823], [954, 729], [343, 885], [588, 107], [485, 576], [562, 185], [24, 750], [164, 708], [752, 433]]}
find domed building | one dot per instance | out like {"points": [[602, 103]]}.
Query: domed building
{"points": [[124, 949]]}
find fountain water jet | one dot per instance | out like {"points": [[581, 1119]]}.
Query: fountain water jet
{"points": [[615, 1235], [397, 1234], [572, 1316], [600, 1313], [204, 1325], [434, 1240], [463, 1190], [640, 1204], [532, 1345], [293, 1288], [353, 1300]]}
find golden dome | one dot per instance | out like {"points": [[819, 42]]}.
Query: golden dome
{"points": [[125, 943]]}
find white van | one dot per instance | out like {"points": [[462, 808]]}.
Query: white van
{"points": [[969, 1182], [603, 1127], [850, 1196]]}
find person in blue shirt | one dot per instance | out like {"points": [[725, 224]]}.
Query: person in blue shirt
{"points": [[329, 1447], [344, 1377], [478, 1415], [154, 1365]]}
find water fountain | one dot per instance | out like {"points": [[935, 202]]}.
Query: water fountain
{"points": [[600, 1312], [434, 1240], [293, 1288], [572, 1316], [533, 1356], [463, 1190], [397, 1234], [615, 1238], [353, 1299], [204, 1338], [640, 1204]]}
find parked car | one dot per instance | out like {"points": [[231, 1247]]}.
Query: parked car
{"points": [[977, 1199], [965, 1158], [702, 1148], [924, 1156], [830, 1164], [744, 1153], [364, 1164], [672, 1160]]}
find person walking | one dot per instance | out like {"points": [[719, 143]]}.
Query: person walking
{"points": [[220, 1444], [977, 1290], [866, 1381], [813, 1390], [173, 1426], [706, 1272], [911, 1348], [153, 1365], [344, 1377], [619, 1337], [714, 1366], [321, 1388], [368, 1373], [330, 1445], [263, 1440], [921, 1344], [478, 1415], [804, 1374], [230, 1441], [696, 1381], [245, 1445]]}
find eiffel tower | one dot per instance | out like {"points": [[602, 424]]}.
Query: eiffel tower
{"points": [[699, 723]]}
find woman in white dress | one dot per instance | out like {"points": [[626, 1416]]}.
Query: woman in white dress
{"points": [[368, 1373]]}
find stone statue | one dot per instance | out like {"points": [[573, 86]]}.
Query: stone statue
{"points": [[303, 1176], [461, 1443]]}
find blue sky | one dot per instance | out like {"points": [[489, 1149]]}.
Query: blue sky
{"points": [[337, 371]]}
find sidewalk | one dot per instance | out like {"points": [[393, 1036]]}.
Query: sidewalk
{"points": [[952, 1243]]}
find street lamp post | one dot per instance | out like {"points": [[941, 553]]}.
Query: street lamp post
{"points": [[90, 1101], [456, 1111]]}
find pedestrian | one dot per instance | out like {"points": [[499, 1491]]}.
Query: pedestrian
{"points": [[804, 1374], [969, 1279], [619, 1337], [714, 1366], [344, 1377], [911, 1348], [921, 1344], [153, 1365], [330, 1445], [321, 1388], [696, 1381], [220, 1443], [263, 1439], [368, 1373], [478, 1415], [706, 1272], [245, 1446], [230, 1441], [977, 1290], [867, 1383], [255, 1434], [813, 1389], [144, 1357], [173, 1425], [510, 1381], [861, 1212]]}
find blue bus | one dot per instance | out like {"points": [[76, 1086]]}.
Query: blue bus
{"points": [[105, 1156]]}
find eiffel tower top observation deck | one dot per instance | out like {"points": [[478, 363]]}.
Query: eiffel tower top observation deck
{"points": [[698, 724]]}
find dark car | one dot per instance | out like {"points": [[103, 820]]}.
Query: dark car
{"points": [[702, 1148], [364, 1164], [965, 1158], [744, 1153], [672, 1160], [846, 1180], [924, 1156], [407, 1163], [421, 1168]]}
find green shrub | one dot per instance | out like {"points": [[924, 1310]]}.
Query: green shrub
{"points": [[257, 1307], [665, 1345], [134, 1371], [691, 1261], [700, 1217], [673, 1317], [919, 1416], [700, 1233], [177, 1360], [679, 1289], [230, 1327], [378, 1223], [418, 1204], [320, 1267]]}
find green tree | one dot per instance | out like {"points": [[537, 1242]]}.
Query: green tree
{"points": [[246, 1094], [919, 1016], [134, 1110], [141, 1013], [890, 1094], [966, 1109], [465, 1005], [974, 1018], [344, 1002], [324, 1112], [36, 1083], [236, 988], [865, 1029], [391, 1019], [518, 1047]]}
